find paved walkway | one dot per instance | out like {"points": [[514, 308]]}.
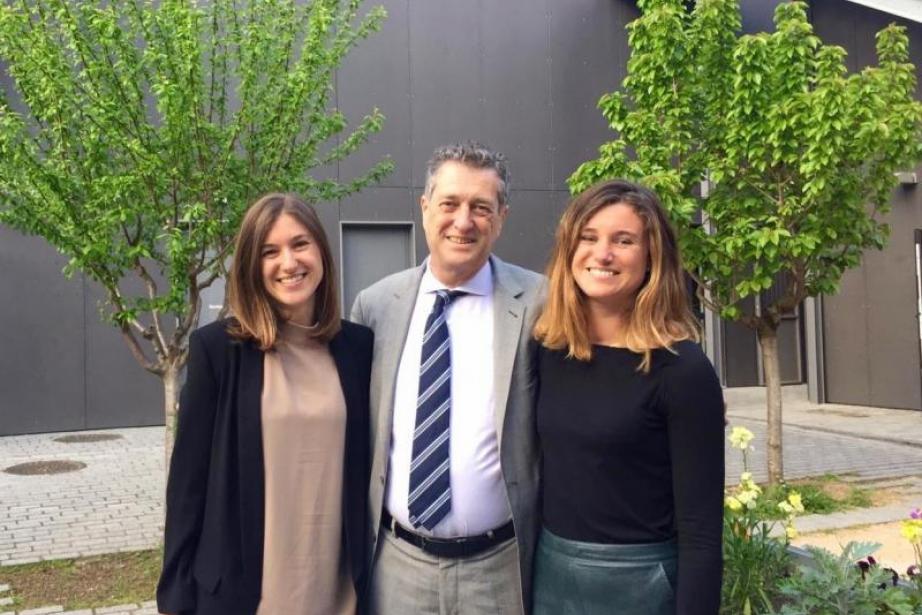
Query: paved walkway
{"points": [[145, 608], [115, 502], [867, 443]]}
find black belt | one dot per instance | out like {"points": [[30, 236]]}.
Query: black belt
{"points": [[449, 547]]}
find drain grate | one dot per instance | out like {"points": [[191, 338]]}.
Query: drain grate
{"points": [[56, 466], [88, 437]]}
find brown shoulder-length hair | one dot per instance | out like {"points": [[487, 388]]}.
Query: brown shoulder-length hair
{"points": [[255, 314], [660, 316]]}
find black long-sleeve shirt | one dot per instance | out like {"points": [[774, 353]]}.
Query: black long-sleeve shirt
{"points": [[635, 458]]}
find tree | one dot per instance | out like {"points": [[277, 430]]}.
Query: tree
{"points": [[798, 156], [135, 134]]}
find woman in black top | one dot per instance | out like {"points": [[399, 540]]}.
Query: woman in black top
{"points": [[630, 420]]}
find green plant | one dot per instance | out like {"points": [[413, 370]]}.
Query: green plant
{"points": [[815, 497], [837, 585], [911, 529], [773, 162], [135, 133], [755, 558], [754, 561]]}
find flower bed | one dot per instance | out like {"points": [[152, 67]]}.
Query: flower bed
{"points": [[763, 573]]}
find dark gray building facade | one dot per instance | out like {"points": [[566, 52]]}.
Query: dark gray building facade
{"points": [[523, 76]]}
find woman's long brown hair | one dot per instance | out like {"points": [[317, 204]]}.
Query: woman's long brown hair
{"points": [[255, 315], [660, 316]]}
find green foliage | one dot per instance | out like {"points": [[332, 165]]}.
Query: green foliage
{"points": [[815, 496], [755, 555], [754, 562], [838, 586], [137, 132], [799, 154]]}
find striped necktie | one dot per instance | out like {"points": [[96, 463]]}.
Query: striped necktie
{"points": [[430, 484]]}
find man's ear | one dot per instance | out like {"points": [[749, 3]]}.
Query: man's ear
{"points": [[423, 202]]}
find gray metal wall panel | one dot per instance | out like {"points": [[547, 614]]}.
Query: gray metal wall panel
{"points": [[741, 353], [377, 74], [893, 345], [758, 15], [588, 58], [41, 339], [446, 77], [870, 331], [422, 250], [379, 204], [376, 204], [516, 105], [790, 351], [845, 337], [528, 232], [853, 27], [119, 391], [329, 214], [372, 252]]}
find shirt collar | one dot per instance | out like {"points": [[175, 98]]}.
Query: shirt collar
{"points": [[480, 284]]}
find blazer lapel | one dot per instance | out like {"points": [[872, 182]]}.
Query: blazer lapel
{"points": [[390, 338], [250, 447], [343, 360], [508, 316]]}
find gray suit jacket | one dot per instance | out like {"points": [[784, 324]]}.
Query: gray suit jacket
{"points": [[386, 307]]}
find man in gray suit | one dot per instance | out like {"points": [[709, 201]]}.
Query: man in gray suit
{"points": [[454, 472]]}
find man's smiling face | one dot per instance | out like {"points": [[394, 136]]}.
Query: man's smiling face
{"points": [[462, 218]]}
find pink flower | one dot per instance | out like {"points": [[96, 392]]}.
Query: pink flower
{"points": [[915, 513]]}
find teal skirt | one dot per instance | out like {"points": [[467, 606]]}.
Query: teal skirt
{"points": [[587, 578]]}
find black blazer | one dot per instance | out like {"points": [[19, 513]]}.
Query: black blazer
{"points": [[215, 500]]}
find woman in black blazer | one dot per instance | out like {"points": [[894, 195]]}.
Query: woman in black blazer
{"points": [[270, 465]]}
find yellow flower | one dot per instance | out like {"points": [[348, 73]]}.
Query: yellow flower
{"points": [[740, 437], [733, 504], [786, 508], [912, 530], [796, 501], [748, 497], [791, 532], [745, 477]]}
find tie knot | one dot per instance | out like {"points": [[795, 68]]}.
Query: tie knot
{"points": [[444, 297]]}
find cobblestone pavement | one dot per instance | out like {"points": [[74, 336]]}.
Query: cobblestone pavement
{"points": [[113, 504], [145, 608], [814, 453]]}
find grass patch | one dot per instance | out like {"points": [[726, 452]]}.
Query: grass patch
{"points": [[86, 582], [821, 496]]}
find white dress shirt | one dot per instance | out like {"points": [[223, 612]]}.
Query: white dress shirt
{"points": [[478, 495]]}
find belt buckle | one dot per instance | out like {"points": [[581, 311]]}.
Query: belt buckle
{"points": [[425, 543]]}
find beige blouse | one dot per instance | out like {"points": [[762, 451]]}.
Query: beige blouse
{"points": [[305, 568]]}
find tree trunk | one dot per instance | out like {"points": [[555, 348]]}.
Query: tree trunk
{"points": [[170, 406], [771, 368]]}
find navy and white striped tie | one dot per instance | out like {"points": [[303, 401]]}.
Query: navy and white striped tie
{"points": [[430, 484]]}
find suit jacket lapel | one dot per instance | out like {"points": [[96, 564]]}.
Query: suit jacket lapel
{"points": [[250, 447], [343, 360], [390, 338], [508, 316]]}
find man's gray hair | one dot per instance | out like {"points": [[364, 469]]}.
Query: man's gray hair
{"points": [[474, 155]]}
